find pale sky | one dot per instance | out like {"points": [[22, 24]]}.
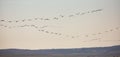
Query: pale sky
{"points": [[48, 24]]}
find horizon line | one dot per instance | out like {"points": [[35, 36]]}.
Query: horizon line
{"points": [[55, 48]]}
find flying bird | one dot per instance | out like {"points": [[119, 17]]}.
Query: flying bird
{"points": [[111, 30], [106, 31], [36, 18], [99, 33], [55, 18], [61, 16], [60, 34], [77, 13], [9, 21], [2, 20], [29, 20], [72, 36], [93, 34], [82, 13], [46, 31], [23, 20], [71, 15], [86, 35], [46, 19], [117, 28], [16, 21]]}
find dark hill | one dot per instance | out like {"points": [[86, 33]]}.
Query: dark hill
{"points": [[113, 50]]}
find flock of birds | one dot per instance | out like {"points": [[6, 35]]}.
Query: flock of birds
{"points": [[54, 18], [60, 17]]}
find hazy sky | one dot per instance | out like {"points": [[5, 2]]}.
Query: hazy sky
{"points": [[70, 24]]}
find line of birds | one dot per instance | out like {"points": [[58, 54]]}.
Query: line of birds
{"points": [[54, 18], [101, 40], [41, 29], [10, 27]]}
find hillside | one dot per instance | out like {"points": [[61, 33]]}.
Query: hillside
{"points": [[113, 50]]}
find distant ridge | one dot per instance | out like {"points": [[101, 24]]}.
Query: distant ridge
{"points": [[113, 50]]}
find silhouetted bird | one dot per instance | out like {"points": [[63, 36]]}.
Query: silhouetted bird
{"points": [[16, 21], [23, 20], [55, 18], [36, 18], [99, 33], [93, 34], [56, 33], [43, 30], [77, 13], [5, 26], [117, 28], [61, 16], [72, 36], [88, 12], [9, 21], [2, 20], [106, 31], [46, 31], [86, 35], [29, 19], [59, 33], [111, 30], [51, 32], [82, 13], [41, 18], [35, 26], [70, 15], [46, 19]]}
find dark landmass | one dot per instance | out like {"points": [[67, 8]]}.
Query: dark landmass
{"points": [[113, 51]]}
